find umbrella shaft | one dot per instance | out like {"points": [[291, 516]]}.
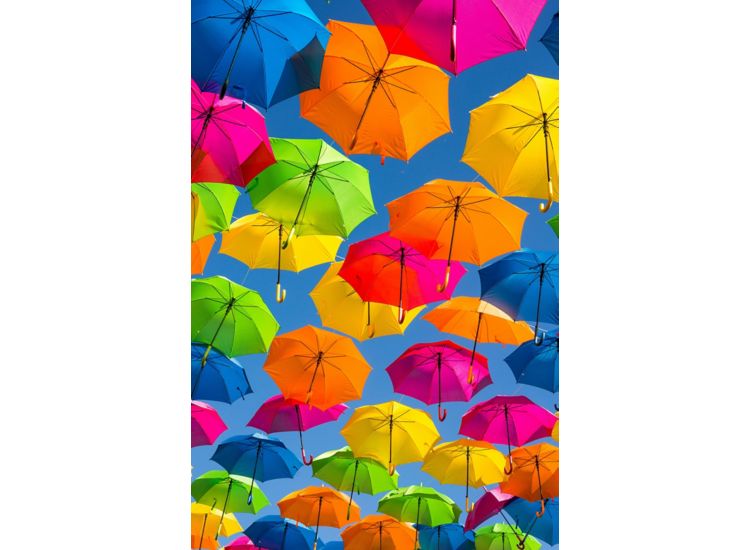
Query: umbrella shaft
{"points": [[245, 26], [539, 301], [354, 484], [204, 127], [303, 204]]}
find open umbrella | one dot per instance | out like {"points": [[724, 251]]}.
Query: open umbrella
{"points": [[218, 378], [554, 223], [241, 543], [492, 502], [536, 363], [199, 252], [278, 414], [378, 532], [205, 424], [450, 536], [374, 102], [535, 475], [551, 38], [206, 526], [456, 220], [390, 433], [455, 34], [263, 51], [256, 240], [525, 515], [212, 205], [277, 533], [437, 372], [318, 506], [502, 536], [317, 367]]}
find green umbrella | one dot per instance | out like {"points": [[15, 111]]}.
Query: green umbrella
{"points": [[312, 189], [554, 223], [345, 472], [502, 536], [212, 204]]}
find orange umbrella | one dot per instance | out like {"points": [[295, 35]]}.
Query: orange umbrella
{"points": [[317, 367], [199, 251], [378, 532], [458, 220], [535, 473], [374, 102]]}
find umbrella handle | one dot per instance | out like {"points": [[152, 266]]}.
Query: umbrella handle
{"points": [[401, 315], [470, 379], [382, 160], [280, 293], [468, 506], [391, 468], [442, 286], [305, 458], [540, 513], [557, 408], [442, 413], [507, 470], [543, 207], [521, 545], [370, 331]]}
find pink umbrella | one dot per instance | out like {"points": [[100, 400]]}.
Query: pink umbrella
{"points": [[454, 34], [205, 424], [288, 415], [510, 419], [385, 270], [229, 140], [490, 503], [241, 543], [438, 372]]}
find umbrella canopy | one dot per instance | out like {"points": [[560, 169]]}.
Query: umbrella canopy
{"points": [[465, 462], [229, 137], [535, 363], [437, 372], [241, 543], [551, 38], [386, 270], [263, 51], [206, 526], [502, 536], [450, 536], [317, 367], [492, 502], [228, 492], [390, 433], [205, 424], [312, 189], [212, 205], [276, 533], [513, 140], [340, 308], [525, 514], [554, 223], [456, 220], [455, 34], [378, 532], [218, 378], [256, 240], [318, 506], [536, 473], [278, 414], [373, 102], [199, 252]]}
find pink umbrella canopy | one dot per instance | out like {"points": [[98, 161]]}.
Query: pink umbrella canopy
{"points": [[205, 424], [438, 373], [490, 503], [242, 543], [288, 415], [454, 34], [228, 138]]}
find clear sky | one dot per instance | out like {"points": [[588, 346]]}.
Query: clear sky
{"points": [[439, 159]]}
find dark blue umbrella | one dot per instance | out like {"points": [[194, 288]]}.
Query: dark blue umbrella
{"points": [[277, 533], [537, 364], [262, 51], [216, 377], [523, 514], [551, 38], [524, 284], [450, 536]]}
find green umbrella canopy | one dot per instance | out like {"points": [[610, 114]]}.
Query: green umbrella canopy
{"points": [[213, 205], [230, 317], [554, 223], [228, 492], [312, 189], [422, 505], [502, 536]]}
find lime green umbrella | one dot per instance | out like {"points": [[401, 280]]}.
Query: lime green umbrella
{"points": [[554, 223], [212, 207], [502, 536], [312, 189], [345, 472], [419, 505]]}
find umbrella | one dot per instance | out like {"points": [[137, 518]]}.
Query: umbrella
{"points": [[524, 284], [230, 492], [502, 536], [386, 270], [317, 367], [373, 102], [241, 543], [390, 433], [278, 414], [218, 378], [229, 317], [277, 533], [256, 240], [450, 536], [263, 51], [206, 526], [436, 373], [456, 220], [551, 38], [512, 140], [465, 462], [318, 506], [230, 138], [536, 474], [312, 189], [535, 363], [199, 252], [455, 34], [492, 502], [205, 424], [525, 515], [212, 205], [344, 471], [507, 419], [554, 223], [377, 532], [257, 456]]}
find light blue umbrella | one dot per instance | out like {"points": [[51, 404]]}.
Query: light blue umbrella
{"points": [[218, 379]]}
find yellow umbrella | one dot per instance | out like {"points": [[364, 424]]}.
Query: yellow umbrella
{"points": [[466, 462], [390, 433], [341, 308], [256, 240], [206, 525], [513, 140]]}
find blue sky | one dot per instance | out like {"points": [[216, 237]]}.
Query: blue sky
{"points": [[439, 159]]}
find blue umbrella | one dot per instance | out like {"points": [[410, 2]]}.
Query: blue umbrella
{"points": [[216, 377], [524, 515], [277, 533], [258, 457], [537, 364], [333, 545], [450, 536], [262, 51], [551, 38], [524, 285]]}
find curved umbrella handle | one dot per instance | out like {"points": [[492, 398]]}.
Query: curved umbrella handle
{"points": [[442, 413], [280, 293], [540, 513], [546, 206], [507, 470], [468, 506], [288, 238], [442, 286], [401, 315], [391, 468], [557, 408], [470, 379], [521, 545], [370, 331], [305, 459]]}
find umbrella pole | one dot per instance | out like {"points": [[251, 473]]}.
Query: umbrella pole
{"points": [[540, 513], [442, 413], [317, 522], [283, 537], [474, 349], [401, 312], [280, 293], [223, 508], [380, 535], [441, 287], [255, 469], [318, 361], [545, 126], [370, 328], [203, 530], [468, 463], [204, 359], [302, 205], [391, 467], [301, 443], [375, 83], [537, 340], [454, 32], [245, 27], [351, 493], [509, 469], [203, 129]]}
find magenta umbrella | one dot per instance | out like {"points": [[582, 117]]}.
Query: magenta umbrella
{"points": [[507, 419], [241, 543], [454, 34], [490, 503], [205, 424], [229, 139], [437, 373], [288, 415]]}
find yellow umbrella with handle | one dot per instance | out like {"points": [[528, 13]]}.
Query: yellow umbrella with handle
{"points": [[206, 525]]}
